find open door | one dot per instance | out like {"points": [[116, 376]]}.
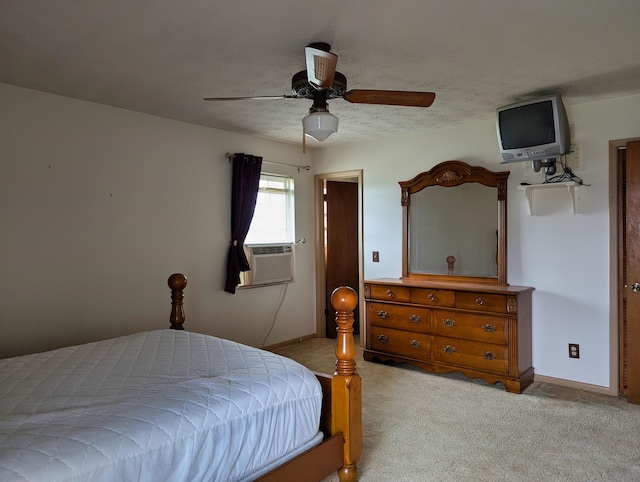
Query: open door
{"points": [[341, 253], [629, 269]]}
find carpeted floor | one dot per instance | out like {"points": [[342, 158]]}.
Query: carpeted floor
{"points": [[424, 427]]}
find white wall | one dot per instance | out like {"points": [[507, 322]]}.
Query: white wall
{"points": [[98, 206], [564, 256]]}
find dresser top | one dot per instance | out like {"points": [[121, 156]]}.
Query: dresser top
{"points": [[444, 285]]}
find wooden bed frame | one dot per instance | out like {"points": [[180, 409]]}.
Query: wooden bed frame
{"points": [[341, 417]]}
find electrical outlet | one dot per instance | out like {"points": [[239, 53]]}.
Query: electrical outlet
{"points": [[573, 159], [574, 350]]}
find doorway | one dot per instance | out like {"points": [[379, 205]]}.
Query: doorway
{"points": [[338, 203], [628, 179]]}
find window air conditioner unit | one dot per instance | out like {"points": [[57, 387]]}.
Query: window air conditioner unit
{"points": [[270, 264]]}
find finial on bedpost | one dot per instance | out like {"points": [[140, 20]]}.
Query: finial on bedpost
{"points": [[344, 300], [346, 386], [177, 283]]}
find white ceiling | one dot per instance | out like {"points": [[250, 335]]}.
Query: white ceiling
{"points": [[162, 57]]}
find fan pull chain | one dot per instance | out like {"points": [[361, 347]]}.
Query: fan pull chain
{"points": [[304, 141]]}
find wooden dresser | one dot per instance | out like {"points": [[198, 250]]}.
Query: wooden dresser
{"points": [[480, 330]]}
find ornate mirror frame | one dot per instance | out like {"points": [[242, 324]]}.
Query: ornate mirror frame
{"points": [[451, 174]]}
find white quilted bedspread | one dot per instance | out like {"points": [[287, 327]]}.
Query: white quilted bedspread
{"points": [[160, 405]]}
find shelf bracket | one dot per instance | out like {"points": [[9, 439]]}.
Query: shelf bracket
{"points": [[572, 189]]}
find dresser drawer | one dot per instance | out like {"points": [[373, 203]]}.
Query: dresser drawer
{"points": [[409, 344], [481, 301], [471, 326], [389, 293], [470, 354], [429, 297], [411, 318]]}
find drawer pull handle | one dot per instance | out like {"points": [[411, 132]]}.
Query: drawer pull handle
{"points": [[449, 323], [389, 293], [488, 355], [489, 328], [431, 297], [415, 343], [383, 338], [479, 301], [382, 314], [414, 318], [449, 349]]}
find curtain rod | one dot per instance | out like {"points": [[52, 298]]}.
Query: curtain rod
{"points": [[229, 156]]}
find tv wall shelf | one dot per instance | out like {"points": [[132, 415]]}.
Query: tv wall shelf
{"points": [[572, 188]]}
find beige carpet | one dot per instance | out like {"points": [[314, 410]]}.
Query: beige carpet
{"points": [[424, 427]]}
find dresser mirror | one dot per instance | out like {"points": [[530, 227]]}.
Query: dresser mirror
{"points": [[455, 224]]}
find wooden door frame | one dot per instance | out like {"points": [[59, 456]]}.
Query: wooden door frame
{"points": [[320, 268], [614, 281]]}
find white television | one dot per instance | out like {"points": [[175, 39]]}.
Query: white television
{"points": [[533, 130]]}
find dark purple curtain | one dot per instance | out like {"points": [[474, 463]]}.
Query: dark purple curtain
{"points": [[244, 192]]}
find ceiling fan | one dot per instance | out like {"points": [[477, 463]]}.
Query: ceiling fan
{"points": [[320, 82]]}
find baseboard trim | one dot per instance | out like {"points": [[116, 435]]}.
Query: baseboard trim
{"points": [[536, 378], [293, 341], [572, 384]]}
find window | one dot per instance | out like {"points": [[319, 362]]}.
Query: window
{"points": [[273, 219]]}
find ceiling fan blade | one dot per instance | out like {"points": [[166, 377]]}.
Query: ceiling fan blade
{"points": [[259, 97], [321, 65], [390, 97]]}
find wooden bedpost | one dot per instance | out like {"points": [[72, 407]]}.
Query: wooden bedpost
{"points": [[177, 283], [346, 386]]}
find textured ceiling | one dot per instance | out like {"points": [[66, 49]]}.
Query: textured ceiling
{"points": [[162, 57]]}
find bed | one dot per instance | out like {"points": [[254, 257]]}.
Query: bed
{"points": [[173, 405]]}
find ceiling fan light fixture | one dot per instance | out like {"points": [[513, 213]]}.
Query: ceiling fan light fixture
{"points": [[320, 125]]}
